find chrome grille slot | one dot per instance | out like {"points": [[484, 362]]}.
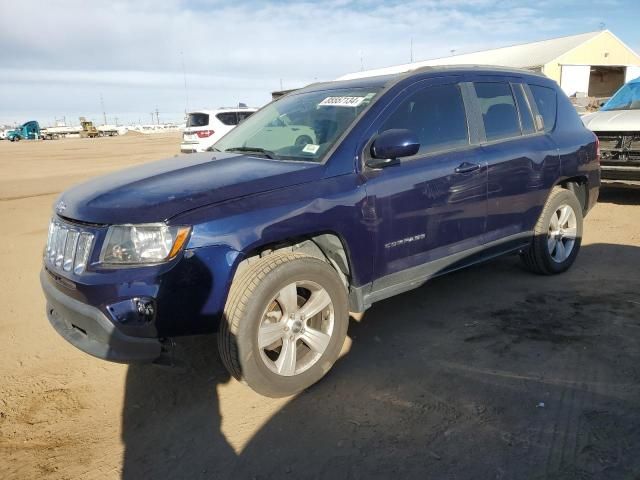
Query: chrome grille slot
{"points": [[68, 247]]}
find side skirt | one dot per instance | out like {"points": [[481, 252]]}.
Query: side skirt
{"points": [[362, 297]]}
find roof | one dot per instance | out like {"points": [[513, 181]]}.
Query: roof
{"points": [[526, 55], [223, 109], [386, 81]]}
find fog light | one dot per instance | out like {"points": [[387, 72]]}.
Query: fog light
{"points": [[135, 311]]}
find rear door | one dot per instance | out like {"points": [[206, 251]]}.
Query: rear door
{"points": [[522, 158], [430, 207]]}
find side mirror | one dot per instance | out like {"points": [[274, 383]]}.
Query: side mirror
{"points": [[390, 145]]}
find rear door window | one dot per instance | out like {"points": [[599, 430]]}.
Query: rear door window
{"points": [[436, 115], [526, 117], [243, 115], [198, 120], [545, 98], [228, 118], [498, 109]]}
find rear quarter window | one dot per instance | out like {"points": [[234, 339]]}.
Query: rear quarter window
{"points": [[547, 104]]}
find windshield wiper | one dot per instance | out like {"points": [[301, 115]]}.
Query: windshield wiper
{"points": [[213, 149], [262, 151]]}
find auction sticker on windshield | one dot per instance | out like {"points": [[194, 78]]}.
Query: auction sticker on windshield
{"points": [[342, 101], [310, 148]]}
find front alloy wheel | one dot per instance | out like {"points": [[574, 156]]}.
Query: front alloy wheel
{"points": [[296, 328], [284, 323]]}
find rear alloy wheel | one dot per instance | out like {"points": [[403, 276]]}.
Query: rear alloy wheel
{"points": [[285, 323], [557, 235], [562, 233]]}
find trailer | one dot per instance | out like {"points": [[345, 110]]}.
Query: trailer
{"points": [[60, 131]]}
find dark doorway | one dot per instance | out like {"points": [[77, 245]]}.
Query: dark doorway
{"points": [[605, 81]]}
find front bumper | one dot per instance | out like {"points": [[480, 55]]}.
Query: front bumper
{"points": [[88, 329]]}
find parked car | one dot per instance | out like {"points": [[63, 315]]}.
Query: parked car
{"points": [[282, 133], [206, 127], [617, 125], [408, 177]]}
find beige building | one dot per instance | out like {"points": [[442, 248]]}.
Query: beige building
{"points": [[594, 63]]}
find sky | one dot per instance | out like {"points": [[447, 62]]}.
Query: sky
{"points": [[66, 58]]}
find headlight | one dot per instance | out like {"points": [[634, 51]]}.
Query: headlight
{"points": [[142, 244]]}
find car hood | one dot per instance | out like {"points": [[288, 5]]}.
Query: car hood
{"points": [[613, 121], [160, 190]]}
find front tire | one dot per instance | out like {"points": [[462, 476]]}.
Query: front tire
{"points": [[284, 323], [557, 235]]}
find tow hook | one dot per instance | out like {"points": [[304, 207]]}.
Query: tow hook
{"points": [[168, 358]]}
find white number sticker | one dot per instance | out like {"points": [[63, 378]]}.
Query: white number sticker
{"points": [[310, 148], [342, 101]]}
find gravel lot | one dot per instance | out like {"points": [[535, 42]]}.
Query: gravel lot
{"points": [[487, 373]]}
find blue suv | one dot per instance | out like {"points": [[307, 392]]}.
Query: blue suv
{"points": [[325, 201]]}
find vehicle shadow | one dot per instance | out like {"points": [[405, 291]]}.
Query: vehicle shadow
{"points": [[171, 419], [487, 373]]}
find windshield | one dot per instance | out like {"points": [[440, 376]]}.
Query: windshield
{"points": [[301, 126], [627, 98]]}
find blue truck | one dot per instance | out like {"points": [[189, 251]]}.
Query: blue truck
{"points": [[27, 131], [406, 177]]}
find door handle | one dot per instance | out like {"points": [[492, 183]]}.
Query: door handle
{"points": [[467, 167]]}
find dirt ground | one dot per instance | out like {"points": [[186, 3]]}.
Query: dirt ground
{"points": [[487, 373]]}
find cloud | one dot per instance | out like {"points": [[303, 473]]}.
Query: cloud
{"points": [[54, 56]]}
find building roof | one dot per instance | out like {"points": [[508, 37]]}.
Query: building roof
{"points": [[526, 55]]}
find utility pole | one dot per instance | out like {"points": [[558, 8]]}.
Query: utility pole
{"points": [[116, 119], [104, 115], [151, 118], [157, 117], [411, 51]]}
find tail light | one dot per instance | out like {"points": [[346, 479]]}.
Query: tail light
{"points": [[597, 148], [205, 133]]}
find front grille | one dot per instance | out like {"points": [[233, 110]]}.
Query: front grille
{"points": [[68, 247], [619, 147]]}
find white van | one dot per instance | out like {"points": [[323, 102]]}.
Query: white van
{"points": [[206, 127]]}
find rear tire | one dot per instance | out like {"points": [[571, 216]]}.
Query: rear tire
{"points": [[284, 323], [557, 235]]}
